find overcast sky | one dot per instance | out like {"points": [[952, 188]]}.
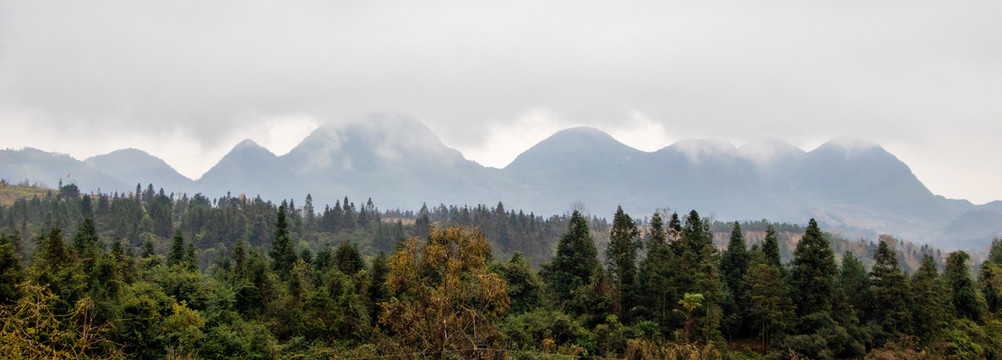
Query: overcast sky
{"points": [[187, 80]]}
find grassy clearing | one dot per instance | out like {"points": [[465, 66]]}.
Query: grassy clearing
{"points": [[10, 193]]}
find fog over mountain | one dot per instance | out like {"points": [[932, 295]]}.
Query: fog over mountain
{"points": [[847, 184]]}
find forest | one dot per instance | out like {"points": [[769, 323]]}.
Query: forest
{"points": [[153, 275]]}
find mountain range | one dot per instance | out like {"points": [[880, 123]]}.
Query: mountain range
{"points": [[851, 186]]}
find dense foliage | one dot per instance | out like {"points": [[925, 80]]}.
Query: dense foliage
{"points": [[150, 275]]}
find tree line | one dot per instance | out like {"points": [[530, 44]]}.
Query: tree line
{"points": [[76, 281]]}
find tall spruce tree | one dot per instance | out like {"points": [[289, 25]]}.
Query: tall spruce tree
{"points": [[855, 284], [176, 254], [932, 306], [576, 259], [656, 279], [968, 302], [891, 295], [770, 248], [11, 272], [283, 252], [733, 265], [621, 257], [767, 299], [812, 276]]}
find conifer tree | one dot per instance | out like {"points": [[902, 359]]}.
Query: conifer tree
{"points": [[968, 302], [890, 291], [11, 272], [733, 265], [932, 306], [621, 257], [768, 301], [348, 259], [656, 283], [575, 261], [812, 276], [176, 254], [283, 252], [855, 284], [770, 248]]}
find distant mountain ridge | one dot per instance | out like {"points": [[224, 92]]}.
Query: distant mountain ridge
{"points": [[847, 184]]}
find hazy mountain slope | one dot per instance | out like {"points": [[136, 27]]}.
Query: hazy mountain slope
{"points": [[397, 160], [851, 186], [48, 169], [576, 165], [250, 169], [132, 166], [971, 230]]}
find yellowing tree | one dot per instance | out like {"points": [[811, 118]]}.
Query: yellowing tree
{"points": [[444, 302]]}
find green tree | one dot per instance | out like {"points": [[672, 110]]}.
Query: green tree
{"points": [[575, 262], [769, 302], [770, 247], [891, 295], [11, 273], [855, 282], [348, 259], [283, 252], [733, 265], [932, 305], [812, 276], [656, 278], [525, 288], [968, 302], [86, 241], [621, 258], [176, 254]]}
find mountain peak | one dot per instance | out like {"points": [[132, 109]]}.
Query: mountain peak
{"points": [[768, 149], [849, 146], [248, 144]]}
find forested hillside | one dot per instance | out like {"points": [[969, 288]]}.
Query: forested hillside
{"points": [[150, 274]]}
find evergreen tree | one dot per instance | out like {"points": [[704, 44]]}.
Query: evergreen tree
{"points": [[733, 265], [812, 276], [621, 257], [770, 248], [86, 243], [968, 302], [11, 273], [768, 301], [890, 291], [656, 278], [176, 254], [932, 304], [283, 252], [575, 261], [855, 284], [348, 259]]}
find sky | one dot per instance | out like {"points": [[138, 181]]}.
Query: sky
{"points": [[188, 80]]}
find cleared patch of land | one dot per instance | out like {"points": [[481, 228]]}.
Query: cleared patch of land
{"points": [[10, 193]]}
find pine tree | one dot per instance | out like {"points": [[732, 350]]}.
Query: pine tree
{"points": [[968, 302], [855, 284], [656, 278], [176, 254], [11, 272], [733, 265], [768, 300], [348, 259], [812, 276], [283, 252], [932, 305], [575, 261], [770, 248], [890, 291], [85, 243], [621, 257]]}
